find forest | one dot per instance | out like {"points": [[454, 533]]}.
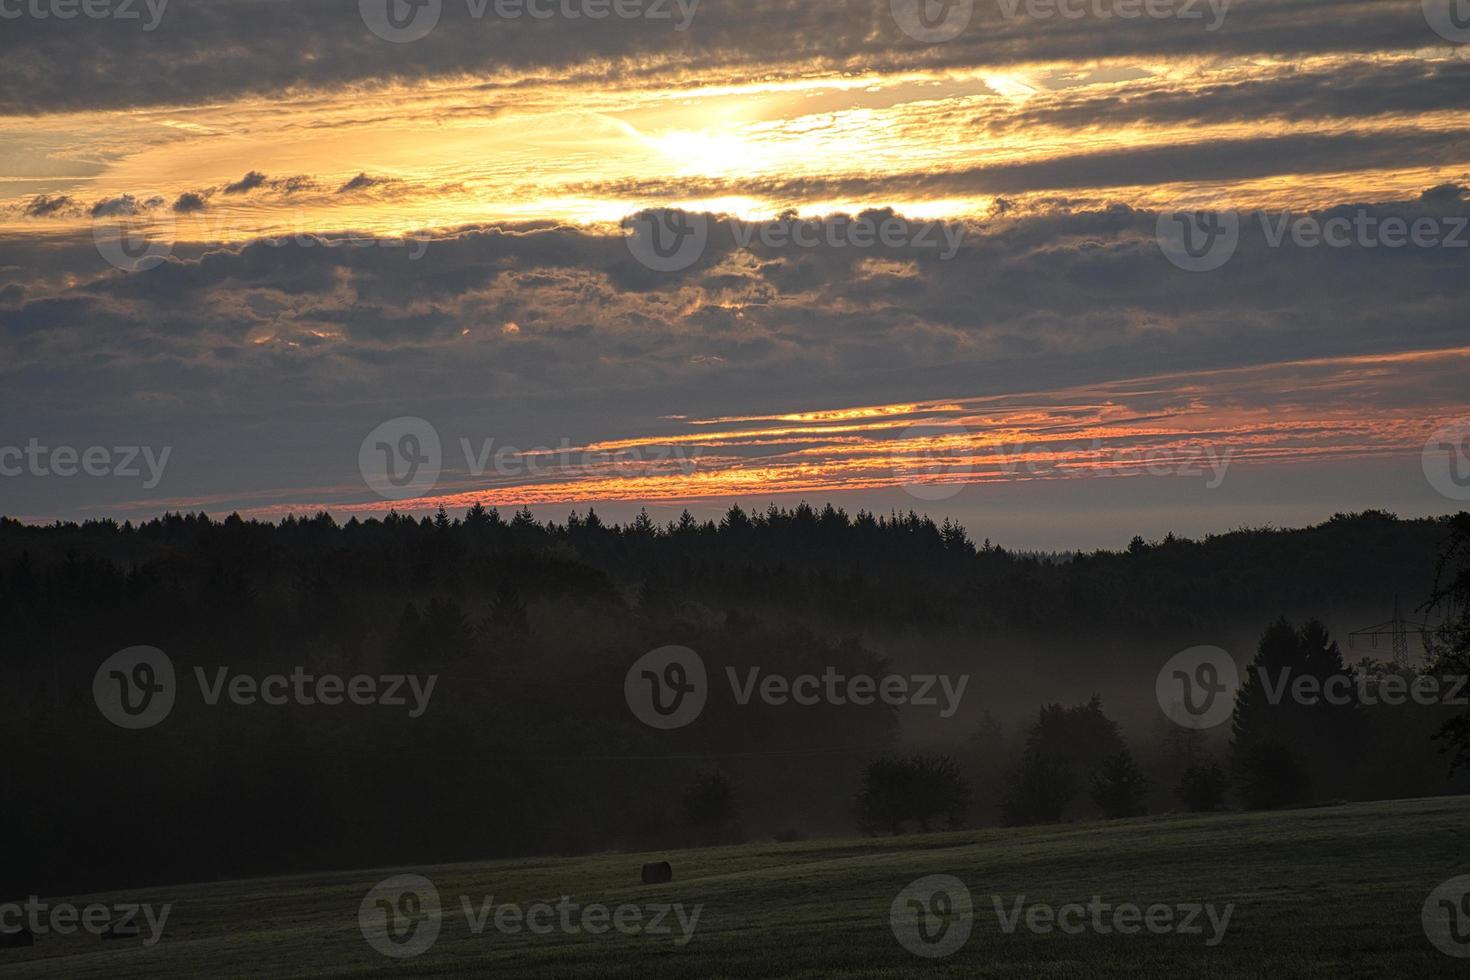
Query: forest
{"points": [[526, 745]]}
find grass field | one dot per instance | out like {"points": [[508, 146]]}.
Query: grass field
{"points": [[1332, 893]]}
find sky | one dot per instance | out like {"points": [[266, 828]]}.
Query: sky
{"points": [[1065, 270]]}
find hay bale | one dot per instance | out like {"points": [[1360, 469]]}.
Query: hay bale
{"points": [[659, 873]]}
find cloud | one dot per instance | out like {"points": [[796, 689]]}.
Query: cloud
{"points": [[360, 183], [125, 205], [269, 47], [189, 202], [45, 206], [294, 185], [265, 363], [246, 184], [1444, 193]]}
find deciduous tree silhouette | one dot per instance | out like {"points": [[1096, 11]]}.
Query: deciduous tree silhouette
{"points": [[1119, 788], [1203, 787], [710, 809], [919, 789], [1065, 750]]}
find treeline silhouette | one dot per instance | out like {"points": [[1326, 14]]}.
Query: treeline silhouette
{"points": [[529, 747]]}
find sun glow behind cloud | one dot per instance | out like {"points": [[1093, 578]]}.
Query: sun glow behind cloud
{"points": [[457, 153], [1051, 142]]}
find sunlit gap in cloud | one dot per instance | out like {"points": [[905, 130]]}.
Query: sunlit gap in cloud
{"points": [[1294, 412], [443, 155]]}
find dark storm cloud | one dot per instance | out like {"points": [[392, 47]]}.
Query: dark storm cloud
{"points": [[204, 51]]}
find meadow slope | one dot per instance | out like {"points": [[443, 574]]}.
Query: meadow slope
{"points": [[1332, 892]]}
